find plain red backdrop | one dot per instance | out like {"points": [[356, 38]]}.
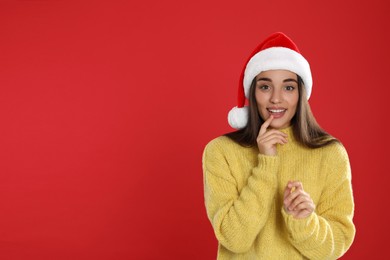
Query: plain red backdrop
{"points": [[106, 106]]}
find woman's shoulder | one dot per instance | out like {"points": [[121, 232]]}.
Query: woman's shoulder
{"points": [[335, 147], [219, 140], [223, 142], [223, 145], [335, 151]]}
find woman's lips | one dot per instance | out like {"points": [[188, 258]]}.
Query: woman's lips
{"points": [[276, 112]]}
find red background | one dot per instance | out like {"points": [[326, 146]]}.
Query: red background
{"points": [[106, 106]]}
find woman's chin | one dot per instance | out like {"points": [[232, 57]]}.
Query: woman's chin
{"points": [[279, 125]]}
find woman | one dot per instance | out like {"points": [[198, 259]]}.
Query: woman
{"points": [[279, 187]]}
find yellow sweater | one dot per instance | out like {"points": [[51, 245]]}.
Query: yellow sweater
{"points": [[244, 200]]}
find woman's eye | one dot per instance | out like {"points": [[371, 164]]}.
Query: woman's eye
{"points": [[289, 88], [264, 87]]}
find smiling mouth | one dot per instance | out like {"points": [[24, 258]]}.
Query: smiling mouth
{"points": [[276, 111]]}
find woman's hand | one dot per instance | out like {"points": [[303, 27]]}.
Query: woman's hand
{"points": [[267, 140], [296, 201]]}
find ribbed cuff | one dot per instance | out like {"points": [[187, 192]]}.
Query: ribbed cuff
{"points": [[300, 228], [268, 162]]}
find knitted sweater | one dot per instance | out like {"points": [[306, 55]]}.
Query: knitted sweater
{"points": [[244, 200]]}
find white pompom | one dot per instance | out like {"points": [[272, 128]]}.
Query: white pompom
{"points": [[238, 117]]}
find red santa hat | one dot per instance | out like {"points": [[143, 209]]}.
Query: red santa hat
{"points": [[277, 52]]}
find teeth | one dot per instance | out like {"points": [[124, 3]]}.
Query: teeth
{"points": [[276, 110]]}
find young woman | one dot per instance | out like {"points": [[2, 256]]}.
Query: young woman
{"points": [[279, 187]]}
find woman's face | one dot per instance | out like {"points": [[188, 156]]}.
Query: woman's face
{"points": [[277, 94]]}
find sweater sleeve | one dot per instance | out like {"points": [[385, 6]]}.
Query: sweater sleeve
{"points": [[329, 231], [237, 216]]}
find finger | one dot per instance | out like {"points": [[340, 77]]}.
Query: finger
{"points": [[287, 192], [298, 200], [272, 139], [296, 184], [290, 186], [271, 143], [301, 213], [306, 205], [293, 195], [272, 132], [265, 125]]}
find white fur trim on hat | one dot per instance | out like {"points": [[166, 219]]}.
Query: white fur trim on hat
{"points": [[278, 58], [238, 117]]}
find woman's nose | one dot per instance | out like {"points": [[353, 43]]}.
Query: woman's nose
{"points": [[275, 97]]}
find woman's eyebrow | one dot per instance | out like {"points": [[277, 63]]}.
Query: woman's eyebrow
{"points": [[288, 80], [265, 79]]}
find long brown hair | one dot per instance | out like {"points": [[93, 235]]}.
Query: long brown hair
{"points": [[305, 127]]}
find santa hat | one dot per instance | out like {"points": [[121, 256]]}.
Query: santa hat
{"points": [[277, 52]]}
